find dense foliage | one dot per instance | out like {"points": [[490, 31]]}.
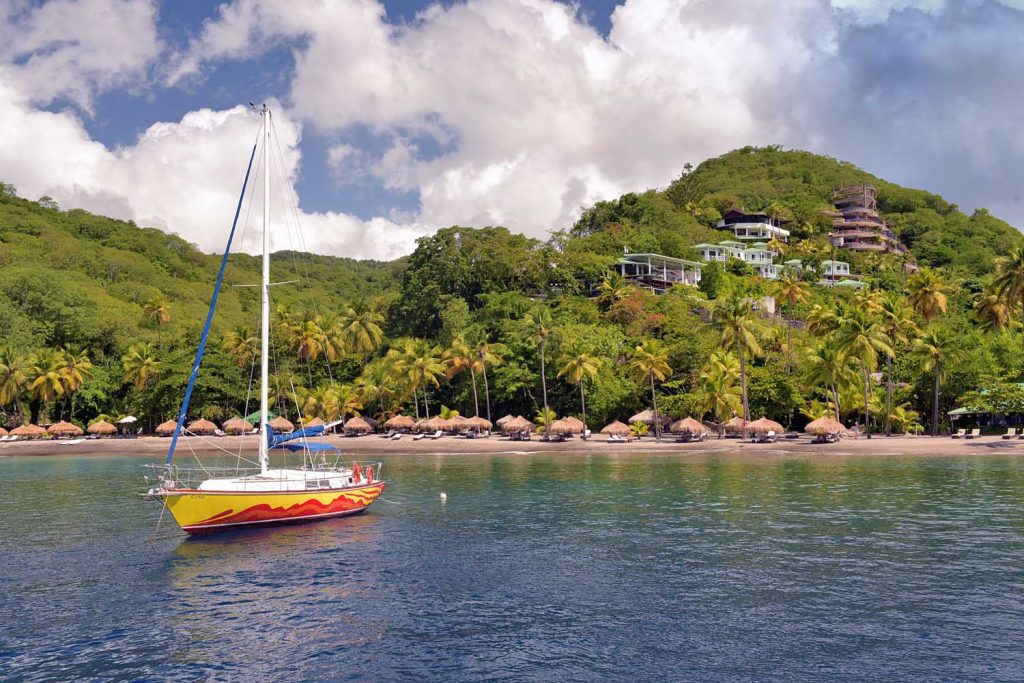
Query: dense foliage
{"points": [[101, 317]]}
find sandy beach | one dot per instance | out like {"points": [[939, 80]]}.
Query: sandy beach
{"points": [[374, 445]]}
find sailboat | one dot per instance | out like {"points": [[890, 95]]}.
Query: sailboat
{"points": [[204, 499]]}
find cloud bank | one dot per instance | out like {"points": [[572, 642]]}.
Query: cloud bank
{"points": [[517, 112]]}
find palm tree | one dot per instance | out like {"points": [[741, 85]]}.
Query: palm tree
{"points": [[46, 379], [718, 391], [1009, 279], [12, 377], [827, 367], [580, 366], [991, 309], [158, 312], [862, 337], [936, 349], [486, 353], [790, 291], [242, 345], [928, 293], [898, 324], [308, 339], [613, 288], [738, 326], [423, 367], [140, 365], [77, 369], [321, 402], [650, 362], [541, 329], [459, 358], [360, 330], [904, 418]]}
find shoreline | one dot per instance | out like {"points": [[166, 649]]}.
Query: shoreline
{"points": [[375, 445]]}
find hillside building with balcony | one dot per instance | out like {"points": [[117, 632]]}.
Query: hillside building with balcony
{"points": [[758, 255], [656, 272], [856, 224], [753, 226]]}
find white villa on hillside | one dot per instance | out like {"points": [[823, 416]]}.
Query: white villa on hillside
{"points": [[657, 272], [753, 226], [758, 255]]}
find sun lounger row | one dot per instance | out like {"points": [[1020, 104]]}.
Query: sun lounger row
{"points": [[964, 434]]}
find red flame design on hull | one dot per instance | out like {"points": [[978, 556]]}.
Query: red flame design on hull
{"points": [[348, 502]]}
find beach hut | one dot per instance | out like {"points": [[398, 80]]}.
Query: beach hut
{"points": [[29, 431], [166, 428], [478, 424], [566, 426], [736, 426], [281, 425], [400, 423], [648, 418], [357, 425], [687, 426], [616, 429], [237, 425], [764, 425], [517, 426], [63, 428], [102, 428], [201, 427]]}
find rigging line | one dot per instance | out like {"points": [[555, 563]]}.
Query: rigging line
{"points": [[292, 204], [209, 316]]}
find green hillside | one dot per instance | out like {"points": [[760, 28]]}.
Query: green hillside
{"points": [[102, 317]]}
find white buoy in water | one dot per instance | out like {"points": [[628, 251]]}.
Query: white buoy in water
{"points": [[444, 496]]}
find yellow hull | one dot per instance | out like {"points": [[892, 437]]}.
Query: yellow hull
{"points": [[205, 511]]}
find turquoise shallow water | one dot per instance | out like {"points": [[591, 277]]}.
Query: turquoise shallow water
{"points": [[537, 567]]}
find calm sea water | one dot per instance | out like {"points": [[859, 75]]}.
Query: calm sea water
{"points": [[537, 567]]}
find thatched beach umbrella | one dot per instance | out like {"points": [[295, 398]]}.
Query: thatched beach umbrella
{"points": [[823, 426], [280, 425], [616, 429], [687, 426], [357, 425], [201, 426], [566, 427], [315, 422], [736, 425], [648, 418], [65, 429], [29, 431], [400, 422], [458, 423], [102, 428], [765, 425], [478, 423], [519, 424], [166, 428], [3, 432], [237, 425], [502, 420], [577, 423]]}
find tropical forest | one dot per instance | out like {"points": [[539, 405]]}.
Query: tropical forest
{"points": [[101, 318]]}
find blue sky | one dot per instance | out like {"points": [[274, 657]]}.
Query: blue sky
{"points": [[402, 117]]}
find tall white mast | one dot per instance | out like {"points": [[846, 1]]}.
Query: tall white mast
{"points": [[265, 297]]}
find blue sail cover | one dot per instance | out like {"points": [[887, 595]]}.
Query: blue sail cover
{"points": [[277, 440], [314, 447], [209, 316]]}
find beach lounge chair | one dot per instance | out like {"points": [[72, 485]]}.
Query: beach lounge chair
{"points": [[960, 433], [1011, 433], [396, 436], [615, 438], [418, 437], [437, 435], [975, 433]]}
